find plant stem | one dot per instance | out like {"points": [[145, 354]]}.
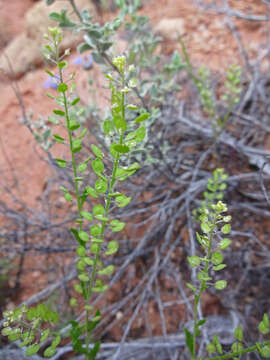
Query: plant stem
{"points": [[74, 167], [78, 199], [76, 10], [240, 352], [107, 208], [201, 290], [94, 270]]}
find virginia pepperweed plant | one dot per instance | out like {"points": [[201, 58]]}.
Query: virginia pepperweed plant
{"points": [[36, 328]]}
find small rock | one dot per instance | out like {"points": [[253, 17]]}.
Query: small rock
{"points": [[170, 28], [24, 50]]}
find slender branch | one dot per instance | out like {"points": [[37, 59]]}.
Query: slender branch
{"points": [[76, 10]]}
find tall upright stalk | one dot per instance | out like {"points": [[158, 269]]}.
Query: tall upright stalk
{"points": [[93, 243]]}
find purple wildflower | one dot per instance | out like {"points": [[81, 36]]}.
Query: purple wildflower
{"points": [[86, 61], [52, 82]]}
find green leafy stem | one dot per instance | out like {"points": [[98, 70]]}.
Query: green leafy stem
{"points": [[104, 186], [214, 225], [263, 349]]}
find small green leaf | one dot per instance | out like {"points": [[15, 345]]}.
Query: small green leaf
{"points": [[6, 331], [99, 154], [54, 16], [83, 236], [102, 218], [88, 261], [238, 333], [265, 320], [94, 248], [98, 210], [108, 270], [31, 314], [189, 341], [120, 124], [74, 125], [226, 229], [140, 134], [117, 225], [62, 87], [98, 166], [76, 149], [112, 150], [112, 247], [221, 284], [236, 346], [32, 349], [205, 227], [81, 265], [191, 287], [224, 243], [95, 230], [265, 351], [50, 73], [73, 302], [219, 267], [108, 127], [68, 197], [59, 112], [202, 240], [142, 117], [49, 352], [101, 186], [99, 286], [218, 344], [50, 96], [263, 328], [130, 136], [87, 215], [44, 335], [123, 149], [201, 322], [75, 101], [83, 277], [194, 260], [82, 167], [53, 317], [217, 258], [81, 251], [132, 107], [96, 240], [62, 64], [95, 350], [78, 288], [122, 200], [14, 336], [210, 348], [203, 276], [92, 192], [61, 163], [56, 341], [58, 138], [52, 120]]}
